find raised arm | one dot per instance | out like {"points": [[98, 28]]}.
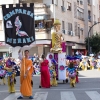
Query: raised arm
{"points": [[20, 54]]}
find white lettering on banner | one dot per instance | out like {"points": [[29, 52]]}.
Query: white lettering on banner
{"points": [[18, 11], [20, 40], [61, 63]]}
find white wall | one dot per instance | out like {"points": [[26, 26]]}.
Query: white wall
{"points": [[8, 1], [48, 2]]}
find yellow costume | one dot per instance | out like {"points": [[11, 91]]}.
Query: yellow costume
{"points": [[2, 78], [56, 38], [53, 79], [72, 82], [11, 79]]}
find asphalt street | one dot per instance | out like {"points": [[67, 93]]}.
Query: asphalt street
{"points": [[87, 89]]}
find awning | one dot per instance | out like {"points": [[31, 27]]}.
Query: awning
{"points": [[78, 46], [70, 43]]}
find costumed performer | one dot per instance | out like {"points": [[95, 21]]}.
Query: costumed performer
{"points": [[72, 72], [76, 64], [2, 71], [10, 76], [45, 75], [98, 63], [26, 71], [53, 73]]}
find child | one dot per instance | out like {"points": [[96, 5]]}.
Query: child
{"points": [[53, 73]]}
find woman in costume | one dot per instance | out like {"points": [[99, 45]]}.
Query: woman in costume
{"points": [[53, 73], [45, 75], [72, 72], [98, 63], [2, 71], [10, 76]]}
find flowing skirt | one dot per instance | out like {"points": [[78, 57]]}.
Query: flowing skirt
{"points": [[45, 77]]}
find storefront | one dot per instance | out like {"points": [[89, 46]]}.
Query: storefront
{"points": [[79, 48]]}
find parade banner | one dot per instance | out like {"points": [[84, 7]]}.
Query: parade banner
{"points": [[19, 24], [61, 66]]}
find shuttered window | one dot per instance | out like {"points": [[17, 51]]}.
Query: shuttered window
{"points": [[75, 9], [69, 26], [75, 27]]}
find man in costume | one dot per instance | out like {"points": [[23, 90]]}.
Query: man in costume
{"points": [[25, 75]]}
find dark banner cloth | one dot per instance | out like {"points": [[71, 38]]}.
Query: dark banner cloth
{"points": [[19, 24]]}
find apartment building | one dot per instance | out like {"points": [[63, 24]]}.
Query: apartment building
{"points": [[76, 17]]}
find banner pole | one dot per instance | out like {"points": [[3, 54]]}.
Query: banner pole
{"points": [[23, 61]]}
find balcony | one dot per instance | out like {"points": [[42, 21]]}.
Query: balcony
{"points": [[43, 33], [30, 1]]}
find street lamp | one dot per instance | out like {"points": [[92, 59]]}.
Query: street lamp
{"points": [[88, 37]]}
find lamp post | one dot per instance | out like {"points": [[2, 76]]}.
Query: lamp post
{"points": [[88, 37]]}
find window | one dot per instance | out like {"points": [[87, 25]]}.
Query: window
{"points": [[79, 31], [80, 13], [55, 2], [69, 26], [75, 28], [88, 2], [78, 2], [68, 6], [63, 27], [63, 3], [94, 2], [81, 2], [89, 15], [0, 25]]}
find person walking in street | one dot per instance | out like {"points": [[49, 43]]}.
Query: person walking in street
{"points": [[25, 75], [45, 75]]}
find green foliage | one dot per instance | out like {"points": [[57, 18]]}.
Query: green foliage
{"points": [[94, 43]]}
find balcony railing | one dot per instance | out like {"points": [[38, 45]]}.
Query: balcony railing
{"points": [[42, 30]]}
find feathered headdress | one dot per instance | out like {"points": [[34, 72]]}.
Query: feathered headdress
{"points": [[53, 61], [1, 59]]}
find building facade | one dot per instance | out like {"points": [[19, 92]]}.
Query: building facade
{"points": [[76, 17]]}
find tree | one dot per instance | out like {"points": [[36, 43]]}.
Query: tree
{"points": [[94, 42]]}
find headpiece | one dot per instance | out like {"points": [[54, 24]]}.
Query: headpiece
{"points": [[57, 22], [54, 61]]}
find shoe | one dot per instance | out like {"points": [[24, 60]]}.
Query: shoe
{"points": [[30, 97], [73, 85], [39, 86], [66, 80], [20, 97]]}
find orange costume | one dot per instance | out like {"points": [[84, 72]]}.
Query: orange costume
{"points": [[26, 71], [26, 88]]}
